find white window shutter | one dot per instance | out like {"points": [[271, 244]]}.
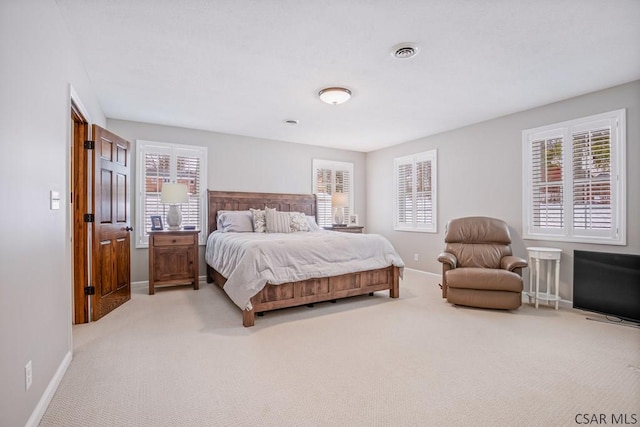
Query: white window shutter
{"points": [[546, 178], [330, 177], [592, 179], [160, 162], [415, 188], [574, 182]]}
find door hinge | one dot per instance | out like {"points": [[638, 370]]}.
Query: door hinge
{"points": [[89, 145], [89, 217], [89, 290]]}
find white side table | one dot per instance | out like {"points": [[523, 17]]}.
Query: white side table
{"points": [[550, 255]]}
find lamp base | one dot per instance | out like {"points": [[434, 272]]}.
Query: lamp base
{"points": [[338, 216], [174, 218]]}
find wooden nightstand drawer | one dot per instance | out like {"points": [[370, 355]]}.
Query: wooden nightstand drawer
{"points": [[174, 240]]}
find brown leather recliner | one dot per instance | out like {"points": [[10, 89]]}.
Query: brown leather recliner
{"points": [[478, 268]]}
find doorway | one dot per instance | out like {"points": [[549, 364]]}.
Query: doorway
{"points": [[100, 215], [79, 201]]}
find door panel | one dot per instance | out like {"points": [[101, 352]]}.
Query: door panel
{"points": [[111, 197], [123, 263]]}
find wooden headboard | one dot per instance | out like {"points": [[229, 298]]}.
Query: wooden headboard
{"points": [[240, 201]]}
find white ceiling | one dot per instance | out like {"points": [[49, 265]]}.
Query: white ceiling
{"points": [[245, 66]]}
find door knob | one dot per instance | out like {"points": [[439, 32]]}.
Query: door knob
{"points": [[128, 229]]}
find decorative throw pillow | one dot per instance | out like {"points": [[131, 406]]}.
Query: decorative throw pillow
{"points": [[278, 222], [259, 220], [298, 221]]}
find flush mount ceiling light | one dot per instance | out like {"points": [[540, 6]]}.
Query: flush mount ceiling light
{"points": [[335, 95], [405, 50]]}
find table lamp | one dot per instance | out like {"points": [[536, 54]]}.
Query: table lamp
{"points": [[339, 201], [173, 194]]}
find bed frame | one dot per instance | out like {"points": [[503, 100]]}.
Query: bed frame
{"points": [[292, 294]]}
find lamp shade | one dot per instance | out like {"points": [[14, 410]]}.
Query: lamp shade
{"points": [[173, 193], [339, 200]]}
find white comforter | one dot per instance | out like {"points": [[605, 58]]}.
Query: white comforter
{"points": [[250, 260]]}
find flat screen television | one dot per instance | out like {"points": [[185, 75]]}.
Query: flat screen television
{"points": [[607, 283]]}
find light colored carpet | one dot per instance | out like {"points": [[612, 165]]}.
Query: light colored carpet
{"points": [[182, 358]]}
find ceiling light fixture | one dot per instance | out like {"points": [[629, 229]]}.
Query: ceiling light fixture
{"points": [[335, 95]]}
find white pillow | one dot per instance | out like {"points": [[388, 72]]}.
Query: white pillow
{"points": [[235, 221], [311, 222], [277, 222]]}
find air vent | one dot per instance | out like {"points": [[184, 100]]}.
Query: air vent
{"points": [[404, 50]]}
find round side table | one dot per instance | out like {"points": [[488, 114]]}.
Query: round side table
{"points": [[552, 257]]}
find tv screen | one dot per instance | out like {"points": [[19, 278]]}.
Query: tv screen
{"points": [[607, 283]]}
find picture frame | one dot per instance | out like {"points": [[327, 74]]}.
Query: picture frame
{"points": [[156, 223], [353, 219]]}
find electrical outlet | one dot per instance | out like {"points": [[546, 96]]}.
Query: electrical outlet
{"points": [[28, 375], [415, 257]]}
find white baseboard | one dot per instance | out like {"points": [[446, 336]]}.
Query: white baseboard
{"points": [[140, 285], [563, 303], [413, 270], [42, 405]]}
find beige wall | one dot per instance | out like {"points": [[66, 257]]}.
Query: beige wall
{"points": [[38, 63], [243, 164], [480, 173]]}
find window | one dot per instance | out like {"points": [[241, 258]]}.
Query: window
{"points": [[574, 180], [159, 162], [415, 186], [330, 177]]}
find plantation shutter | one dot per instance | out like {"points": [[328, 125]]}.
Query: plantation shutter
{"points": [[324, 189], [157, 170], [189, 164], [592, 179], [424, 193], [547, 183], [163, 162], [343, 185], [574, 182], [404, 188], [415, 201], [330, 177]]}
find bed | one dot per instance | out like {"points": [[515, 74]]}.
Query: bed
{"points": [[303, 292]]}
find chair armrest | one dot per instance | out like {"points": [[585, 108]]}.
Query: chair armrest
{"points": [[447, 258], [512, 262]]}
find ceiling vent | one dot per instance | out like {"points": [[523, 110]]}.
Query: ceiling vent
{"points": [[404, 50]]}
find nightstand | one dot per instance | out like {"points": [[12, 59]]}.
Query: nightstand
{"points": [[347, 229], [173, 258]]}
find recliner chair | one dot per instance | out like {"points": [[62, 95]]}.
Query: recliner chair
{"points": [[478, 268]]}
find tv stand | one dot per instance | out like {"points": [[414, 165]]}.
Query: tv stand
{"points": [[620, 322]]}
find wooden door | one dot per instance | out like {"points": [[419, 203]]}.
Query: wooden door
{"points": [[112, 222]]}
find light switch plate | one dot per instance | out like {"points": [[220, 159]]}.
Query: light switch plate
{"points": [[55, 200]]}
